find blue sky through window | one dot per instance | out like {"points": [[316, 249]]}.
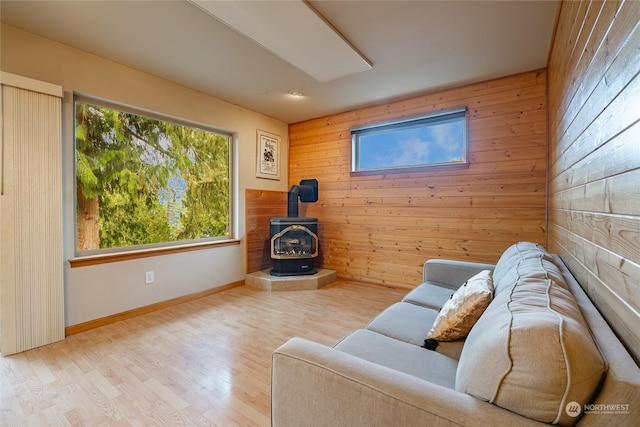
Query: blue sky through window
{"points": [[413, 145], [436, 139]]}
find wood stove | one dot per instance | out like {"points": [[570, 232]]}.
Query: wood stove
{"points": [[294, 245], [294, 239]]}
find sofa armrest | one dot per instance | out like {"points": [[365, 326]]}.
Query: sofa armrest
{"points": [[316, 385], [451, 273]]}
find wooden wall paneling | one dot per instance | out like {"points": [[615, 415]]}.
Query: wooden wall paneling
{"points": [[591, 232], [260, 207], [594, 176], [588, 134], [562, 58], [615, 157], [609, 303], [597, 91], [618, 233], [493, 92], [594, 54], [381, 228]]}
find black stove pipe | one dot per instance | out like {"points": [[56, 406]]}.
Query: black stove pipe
{"points": [[292, 201], [307, 191]]}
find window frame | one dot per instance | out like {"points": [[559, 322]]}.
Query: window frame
{"points": [[102, 255], [430, 119]]}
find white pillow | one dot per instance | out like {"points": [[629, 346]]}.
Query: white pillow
{"points": [[458, 315]]}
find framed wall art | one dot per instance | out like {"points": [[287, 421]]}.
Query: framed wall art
{"points": [[268, 155]]}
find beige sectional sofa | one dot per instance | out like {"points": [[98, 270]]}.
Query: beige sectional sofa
{"points": [[539, 353]]}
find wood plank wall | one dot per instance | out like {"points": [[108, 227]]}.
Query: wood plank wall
{"points": [[381, 228], [594, 131], [260, 206]]}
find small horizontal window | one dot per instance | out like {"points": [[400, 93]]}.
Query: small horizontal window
{"points": [[434, 140]]}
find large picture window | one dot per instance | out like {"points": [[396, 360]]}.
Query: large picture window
{"points": [[435, 140], [144, 181]]}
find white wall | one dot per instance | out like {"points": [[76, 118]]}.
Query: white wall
{"points": [[101, 290]]}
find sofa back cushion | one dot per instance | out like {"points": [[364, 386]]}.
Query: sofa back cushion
{"points": [[525, 259], [531, 351]]}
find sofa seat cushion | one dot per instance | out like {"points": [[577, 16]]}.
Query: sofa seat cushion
{"points": [[531, 352], [401, 356], [429, 294], [410, 323], [405, 322]]}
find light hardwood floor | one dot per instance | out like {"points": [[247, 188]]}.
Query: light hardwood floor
{"points": [[202, 363]]}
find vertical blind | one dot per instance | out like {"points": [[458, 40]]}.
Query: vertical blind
{"points": [[31, 277]]}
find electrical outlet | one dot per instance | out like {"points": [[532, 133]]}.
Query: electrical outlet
{"points": [[148, 277]]}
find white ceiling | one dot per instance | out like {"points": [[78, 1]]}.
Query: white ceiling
{"points": [[414, 46]]}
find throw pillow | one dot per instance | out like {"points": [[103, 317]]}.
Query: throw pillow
{"points": [[458, 315]]}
